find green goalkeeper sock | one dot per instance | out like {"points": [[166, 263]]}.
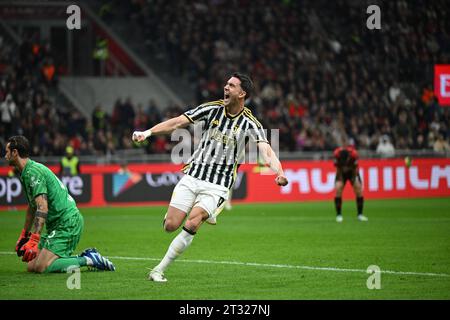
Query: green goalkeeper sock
{"points": [[62, 264]]}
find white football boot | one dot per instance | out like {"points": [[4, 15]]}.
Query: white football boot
{"points": [[362, 217], [157, 276]]}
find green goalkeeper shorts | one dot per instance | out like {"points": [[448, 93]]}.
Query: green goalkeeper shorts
{"points": [[64, 238]]}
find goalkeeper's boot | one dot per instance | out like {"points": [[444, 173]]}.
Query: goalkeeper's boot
{"points": [[99, 262], [362, 217], [157, 276]]}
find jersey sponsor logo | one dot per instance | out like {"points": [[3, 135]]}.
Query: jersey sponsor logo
{"points": [[223, 137]]}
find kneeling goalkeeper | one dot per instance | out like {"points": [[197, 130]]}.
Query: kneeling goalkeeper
{"points": [[48, 203]]}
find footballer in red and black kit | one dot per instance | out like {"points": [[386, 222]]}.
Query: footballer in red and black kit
{"points": [[346, 163]]}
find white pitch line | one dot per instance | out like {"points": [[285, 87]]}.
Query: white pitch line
{"points": [[286, 266]]}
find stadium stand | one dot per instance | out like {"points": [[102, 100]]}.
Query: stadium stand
{"points": [[27, 77], [320, 73]]}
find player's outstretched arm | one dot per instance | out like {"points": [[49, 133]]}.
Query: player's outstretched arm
{"points": [[165, 127], [274, 163]]}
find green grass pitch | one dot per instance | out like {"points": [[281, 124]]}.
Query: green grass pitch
{"points": [[265, 252]]}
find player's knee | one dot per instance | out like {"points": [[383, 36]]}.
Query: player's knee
{"points": [[36, 268], [170, 225], [358, 190], [40, 268], [30, 266]]}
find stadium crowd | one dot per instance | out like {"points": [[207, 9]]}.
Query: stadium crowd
{"points": [[320, 75]]}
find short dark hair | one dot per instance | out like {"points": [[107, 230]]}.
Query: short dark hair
{"points": [[21, 144], [246, 83]]}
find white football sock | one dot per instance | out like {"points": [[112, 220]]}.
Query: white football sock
{"points": [[181, 242]]}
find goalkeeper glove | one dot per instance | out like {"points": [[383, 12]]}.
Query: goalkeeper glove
{"points": [[31, 247], [24, 237]]}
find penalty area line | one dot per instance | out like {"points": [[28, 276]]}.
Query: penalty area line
{"points": [[269, 265]]}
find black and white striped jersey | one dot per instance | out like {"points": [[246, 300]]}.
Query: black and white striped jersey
{"points": [[222, 145]]}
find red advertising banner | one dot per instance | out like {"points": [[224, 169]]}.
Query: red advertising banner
{"points": [[152, 184], [442, 84], [314, 180]]}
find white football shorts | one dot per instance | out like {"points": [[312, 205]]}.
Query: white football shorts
{"points": [[192, 192]]}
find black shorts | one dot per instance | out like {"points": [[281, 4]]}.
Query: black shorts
{"points": [[350, 175]]}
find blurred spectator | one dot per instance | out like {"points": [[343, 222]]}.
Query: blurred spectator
{"points": [[440, 145], [141, 119], [99, 118], [48, 71], [127, 114], [420, 143], [8, 110], [153, 113], [385, 147], [70, 164], [160, 145]]}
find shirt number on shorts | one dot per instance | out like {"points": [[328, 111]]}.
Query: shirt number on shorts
{"points": [[221, 200]]}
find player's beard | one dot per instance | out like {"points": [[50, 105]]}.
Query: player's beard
{"points": [[226, 101], [11, 162], [232, 101]]}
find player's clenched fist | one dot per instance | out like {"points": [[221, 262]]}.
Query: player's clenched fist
{"points": [[139, 136], [281, 180]]}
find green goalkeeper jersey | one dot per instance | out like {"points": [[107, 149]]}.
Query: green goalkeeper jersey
{"points": [[37, 179]]}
